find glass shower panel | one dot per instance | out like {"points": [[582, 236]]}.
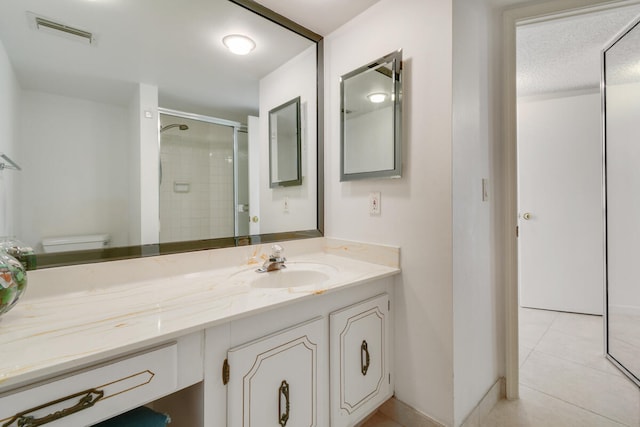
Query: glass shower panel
{"points": [[197, 180]]}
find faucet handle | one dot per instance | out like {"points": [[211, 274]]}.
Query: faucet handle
{"points": [[276, 251]]}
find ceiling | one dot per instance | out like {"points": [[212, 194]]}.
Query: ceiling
{"points": [[175, 45], [553, 55], [563, 54], [320, 16]]}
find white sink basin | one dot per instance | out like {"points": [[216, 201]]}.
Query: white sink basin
{"points": [[294, 275]]}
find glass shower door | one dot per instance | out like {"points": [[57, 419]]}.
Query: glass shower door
{"points": [[197, 196]]}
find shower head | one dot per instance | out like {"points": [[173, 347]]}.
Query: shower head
{"points": [[173, 125]]}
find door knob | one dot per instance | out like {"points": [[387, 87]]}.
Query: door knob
{"points": [[255, 219], [526, 216]]}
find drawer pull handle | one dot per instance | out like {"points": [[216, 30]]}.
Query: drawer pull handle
{"points": [[365, 360], [87, 400], [283, 391]]}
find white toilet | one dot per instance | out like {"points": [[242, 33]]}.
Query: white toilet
{"points": [[75, 243]]}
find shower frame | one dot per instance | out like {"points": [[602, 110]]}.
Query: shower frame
{"points": [[237, 127]]}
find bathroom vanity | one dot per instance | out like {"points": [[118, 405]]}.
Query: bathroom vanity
{"points": [[204, 338]]}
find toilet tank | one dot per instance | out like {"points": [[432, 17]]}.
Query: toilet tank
{"points": [[75, 243]]}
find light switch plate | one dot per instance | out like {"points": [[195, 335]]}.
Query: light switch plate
{"points": [[374, 203], [485, 190]]}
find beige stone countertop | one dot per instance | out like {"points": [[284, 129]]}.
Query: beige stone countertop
{"points": [[77, 324]]}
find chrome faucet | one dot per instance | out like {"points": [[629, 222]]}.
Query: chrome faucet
{"points": [[275, 261]]}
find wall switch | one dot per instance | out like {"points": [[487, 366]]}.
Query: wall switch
{"points": [[485, 190], [374, 203], [286, 204]]}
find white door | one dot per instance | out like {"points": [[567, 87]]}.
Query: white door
{"points": [[241, 165], [254, 175], [560, 244]]}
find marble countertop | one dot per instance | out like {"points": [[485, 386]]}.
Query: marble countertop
{"points": [[52, 333]]}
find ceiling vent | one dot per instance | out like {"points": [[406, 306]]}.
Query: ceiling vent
{"points": [[48, 26]]}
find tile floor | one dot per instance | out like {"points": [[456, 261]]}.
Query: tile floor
{"points": [[565, 381], [380, 420], [564, 378]]}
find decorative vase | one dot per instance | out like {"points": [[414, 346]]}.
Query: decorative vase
{"points": [[19, 251], [13, 281]]}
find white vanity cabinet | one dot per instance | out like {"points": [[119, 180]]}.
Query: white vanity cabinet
{"points": [[359, 360], [275, 380], [162, 342]]}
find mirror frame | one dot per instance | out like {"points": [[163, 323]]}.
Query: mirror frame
{"points": [[273, 140], [395, 58], [633, 376], [129, 252]]}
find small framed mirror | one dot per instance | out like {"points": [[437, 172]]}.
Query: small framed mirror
{"points": [[371, 120], [285, 142]]}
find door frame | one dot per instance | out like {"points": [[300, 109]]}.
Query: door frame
{"points": [[510, 19]]}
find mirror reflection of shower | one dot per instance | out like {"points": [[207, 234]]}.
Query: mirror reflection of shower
{"points": [[198, 177], [180, 126]]}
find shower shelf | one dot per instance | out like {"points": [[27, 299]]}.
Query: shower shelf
{"points": [[10, 164]]}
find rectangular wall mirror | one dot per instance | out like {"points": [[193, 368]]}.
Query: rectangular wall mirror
{"points": [[371, 120], [150, 140], [285, 145]]}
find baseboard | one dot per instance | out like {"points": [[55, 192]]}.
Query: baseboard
{"points": [[488, 401], [405, 415]]}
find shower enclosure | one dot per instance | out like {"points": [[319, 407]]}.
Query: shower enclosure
{"points": [[204, 184]]}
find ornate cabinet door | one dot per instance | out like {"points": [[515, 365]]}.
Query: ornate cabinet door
{"points": [[273, 381], [359, 360]]}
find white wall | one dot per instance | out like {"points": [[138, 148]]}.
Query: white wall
{"points": [[9, 110], [143, 166], [416, 209], [135, 121], [75, 168], [477, 294], [295, 78], [149, 165]]}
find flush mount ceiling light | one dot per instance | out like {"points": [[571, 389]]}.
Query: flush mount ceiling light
{"points": [[239, 44], [377, 97]]}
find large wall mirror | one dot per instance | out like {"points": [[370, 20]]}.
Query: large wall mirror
{"points": [[371, 120], [134, 124], [622, 176]]}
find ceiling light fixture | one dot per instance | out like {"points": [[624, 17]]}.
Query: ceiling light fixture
{"points": [[239, 44], [377, 97]]}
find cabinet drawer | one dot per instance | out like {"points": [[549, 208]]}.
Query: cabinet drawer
{"points": [[94, 394], [359, 360]]}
